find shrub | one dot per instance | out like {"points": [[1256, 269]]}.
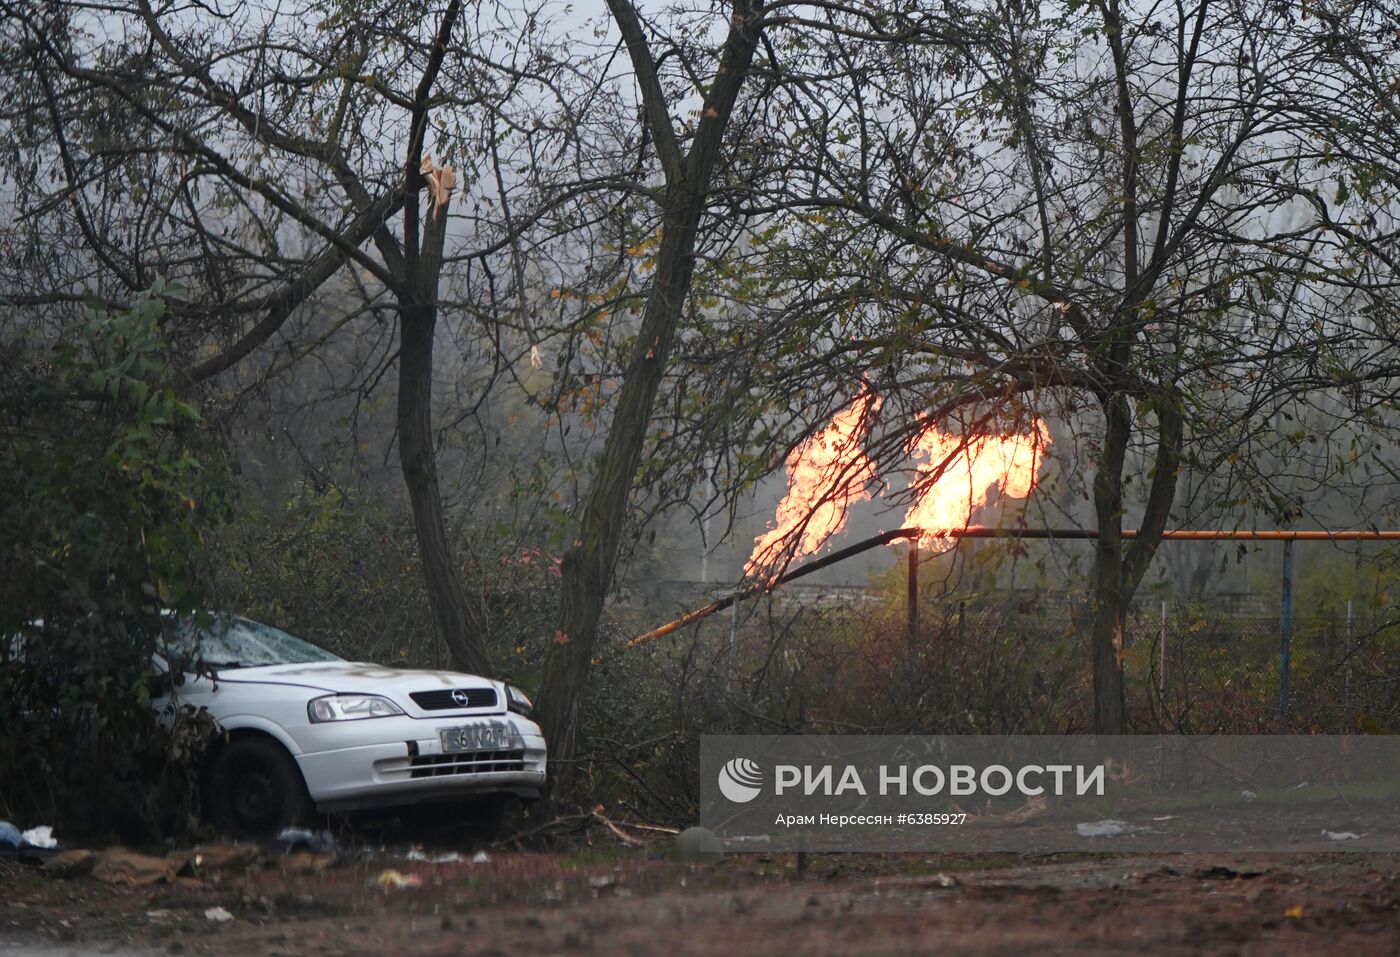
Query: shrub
{"points": [[101, 500]]}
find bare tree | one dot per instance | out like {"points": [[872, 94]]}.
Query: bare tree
{"points": [[1142, 216], [688, 170], [253, 153]]}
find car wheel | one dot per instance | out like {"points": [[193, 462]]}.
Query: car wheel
{"points": [[255, 789]]}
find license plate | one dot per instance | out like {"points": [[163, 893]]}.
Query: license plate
{"points": [[481, 736]]}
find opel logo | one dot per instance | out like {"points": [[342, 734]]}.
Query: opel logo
{"points": [[460, 697]]}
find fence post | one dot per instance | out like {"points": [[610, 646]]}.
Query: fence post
{"points": [[913, 588], [1162, 656], [1346, 657], [1285, 626]]}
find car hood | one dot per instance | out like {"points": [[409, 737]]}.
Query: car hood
{"points": [[359, 677]]}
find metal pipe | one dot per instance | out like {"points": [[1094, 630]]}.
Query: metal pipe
{"points": [[1209, 535], [837, 556], [980, 531]]}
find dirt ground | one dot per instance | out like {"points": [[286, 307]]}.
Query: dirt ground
{"points": [[607, 899]]}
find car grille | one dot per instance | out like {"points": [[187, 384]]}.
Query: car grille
{"points": [[443, 700], [471, 762]]}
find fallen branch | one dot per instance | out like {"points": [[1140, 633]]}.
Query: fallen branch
{"points": [[616, 828]]}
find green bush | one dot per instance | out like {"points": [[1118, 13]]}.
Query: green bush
{"points": [[101, 501], [972, 668]]}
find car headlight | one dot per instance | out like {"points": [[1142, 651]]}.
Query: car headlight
{"points": [[518, 701], [350, 707]]}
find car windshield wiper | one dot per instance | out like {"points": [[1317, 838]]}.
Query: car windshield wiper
{"points": [[218, 665]]}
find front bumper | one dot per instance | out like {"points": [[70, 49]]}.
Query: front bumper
{"points": [[405, 764]]}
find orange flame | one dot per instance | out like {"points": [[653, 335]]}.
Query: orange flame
{"points": [[830, 472], [826, 475], [1011, 464]]}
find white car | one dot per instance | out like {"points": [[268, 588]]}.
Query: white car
{"points": [[301, 727]]}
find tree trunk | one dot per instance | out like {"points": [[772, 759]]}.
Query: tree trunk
{"points": [[588, 566], [458, 628], [1110, 597], [1110, 708], [1119, 566], [462, 628]]}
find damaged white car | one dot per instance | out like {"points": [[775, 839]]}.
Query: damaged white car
{"points": [[302, 728]]}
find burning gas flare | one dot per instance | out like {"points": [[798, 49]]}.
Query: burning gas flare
{"points": [[1009, 463], [826, 475], [830, 472]]}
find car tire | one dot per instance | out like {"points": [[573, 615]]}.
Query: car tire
{"points": [[255, 789]]}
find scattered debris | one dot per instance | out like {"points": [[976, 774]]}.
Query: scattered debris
{"points": [[294, 839], [1340, 835], [603, 884], [391, 879], [939, 880], [34, 846], [41, 836], [1248, 795], [118, 865], [225, 855], [1108, 828], [1296, 911], [416, 853], [481, 857], [193, 863], [9, 835], [218, 915]]}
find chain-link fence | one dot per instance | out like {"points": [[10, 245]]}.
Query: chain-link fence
{"points": [[1200, 671], [849, 664], [1023, 666]]}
